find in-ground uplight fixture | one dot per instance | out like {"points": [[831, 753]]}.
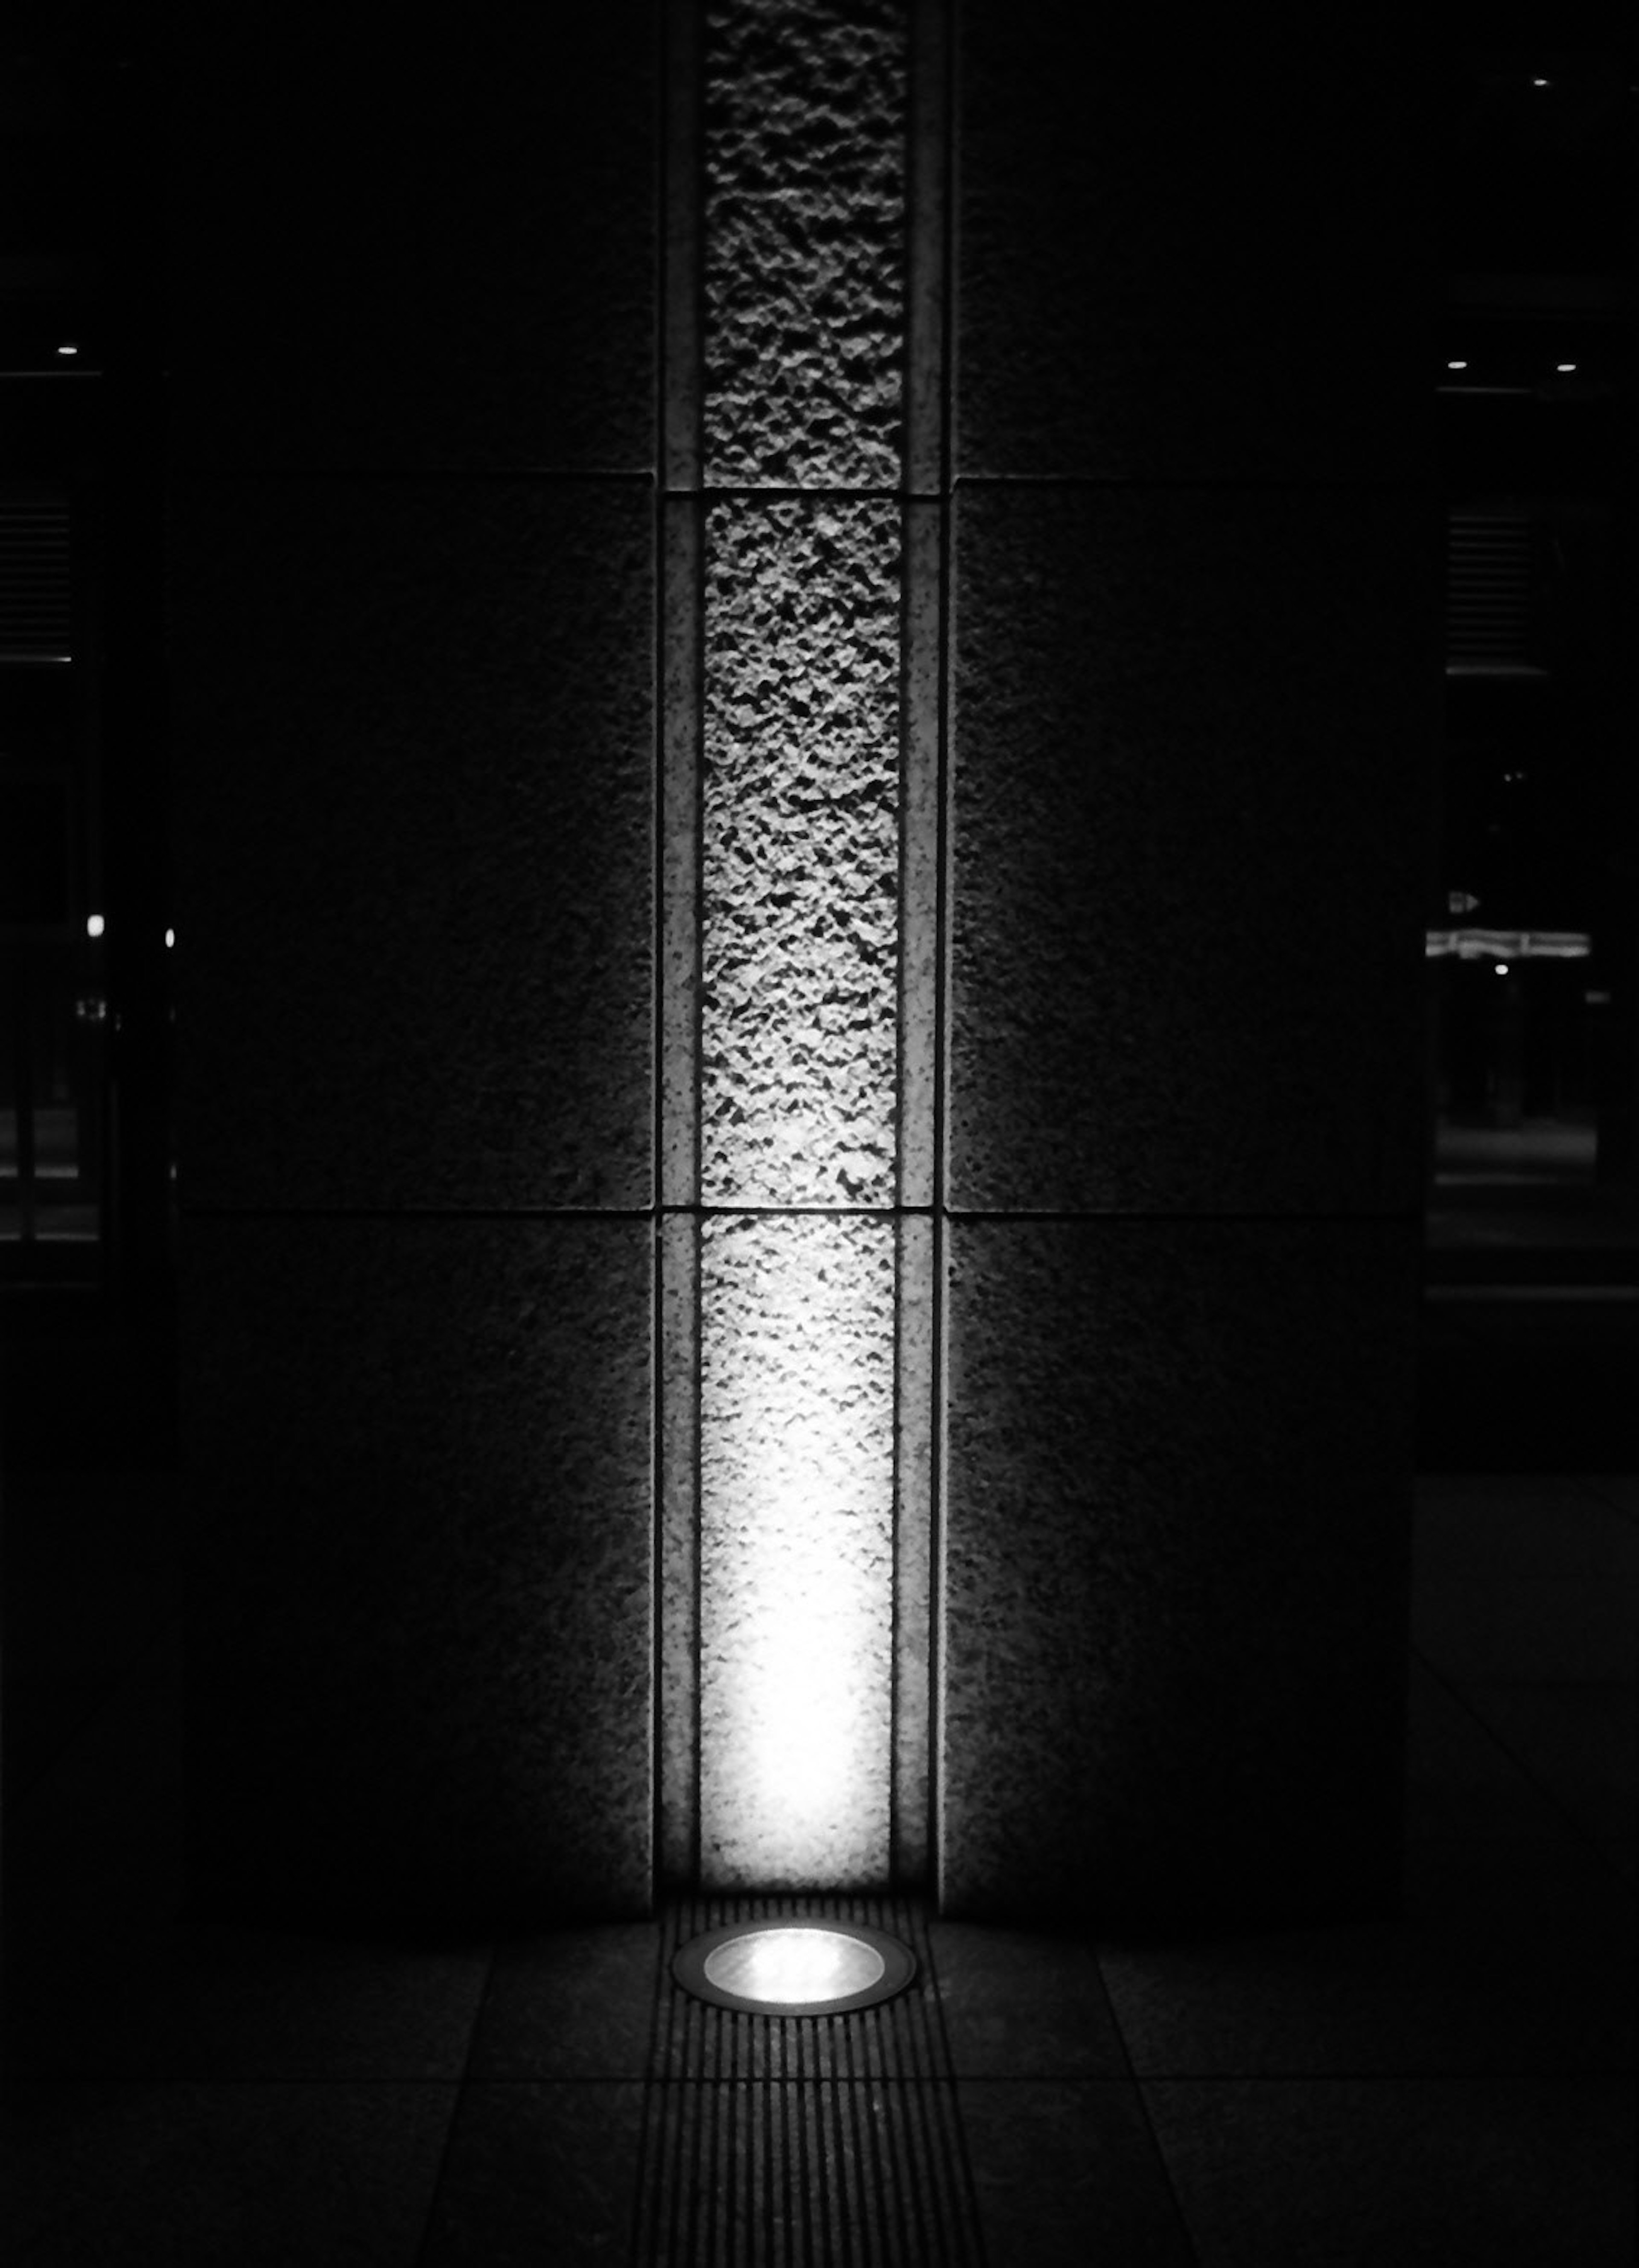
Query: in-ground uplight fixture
{"points": [[803, 1968]]}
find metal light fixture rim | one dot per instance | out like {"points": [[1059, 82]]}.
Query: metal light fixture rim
{"points": [[899, 1966]]}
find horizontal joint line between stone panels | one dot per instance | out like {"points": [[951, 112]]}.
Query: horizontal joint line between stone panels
{"points": [[1390, 1219], [728, 1211], [564, 476], [708, 495], [1251, 482], [416, 1212], [725, 1208]]}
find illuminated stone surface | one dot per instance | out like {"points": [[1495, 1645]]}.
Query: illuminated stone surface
{"points": [[420, 1463], [1177, 1523], [1187, 963], [802, 858], [413, 734], [804, 232], [796, 1550]]}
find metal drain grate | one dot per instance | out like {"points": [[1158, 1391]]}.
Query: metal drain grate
{"points": [[802, 2141]]}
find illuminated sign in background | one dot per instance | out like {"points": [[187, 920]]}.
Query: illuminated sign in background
{"points": [[794, 1551]]}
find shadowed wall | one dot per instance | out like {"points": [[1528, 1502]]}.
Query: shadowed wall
{"points": [[412, 646]]}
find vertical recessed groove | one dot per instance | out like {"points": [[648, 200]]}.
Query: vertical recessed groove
{"points": [[681, 237], [680, 850], [936, 24], [678, 1100], [679, 1551]]}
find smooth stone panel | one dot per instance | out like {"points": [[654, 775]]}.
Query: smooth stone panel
{"points": [[99, 2173], [1193, 248], [419, 1683], [1176, 1527], [1067, 2171], [413, 727], [429, 251], [570, 2004], [541, 2172], [1528, 2173], [1194, 755]]}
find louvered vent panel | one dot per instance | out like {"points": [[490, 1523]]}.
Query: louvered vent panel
{"points": [[1488, 591], [34, 598]]}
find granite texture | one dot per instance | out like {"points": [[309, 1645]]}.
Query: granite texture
{"points": [[797, 1344], [805, 158], [1192, 249], [1193, 767], [435, 251], [419, 1567], [1177, 1510], [414, 794], [801, 862]]}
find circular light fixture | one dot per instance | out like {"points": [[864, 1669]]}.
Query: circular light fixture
{"points": [[794, 1967]]}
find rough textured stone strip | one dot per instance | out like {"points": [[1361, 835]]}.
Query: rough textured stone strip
{"points": [[680, 1606], [805, 159], [801, 851]]}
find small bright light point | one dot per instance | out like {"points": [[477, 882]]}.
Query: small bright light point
{"points": [[94, 925], [1502, 968], [1457, 366], [1565, 365], [67, 347], [170, 938], [1541, 82], [794, 1968]]}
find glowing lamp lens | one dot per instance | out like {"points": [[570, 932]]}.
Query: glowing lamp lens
{"points": [[797, 1966], [794, 1968]]}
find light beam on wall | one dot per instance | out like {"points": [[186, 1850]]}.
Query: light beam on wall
{"points": [[796, 1421], [786, 1082]]}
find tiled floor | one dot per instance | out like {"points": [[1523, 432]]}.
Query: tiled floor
{"points": [[1456, 2089]]}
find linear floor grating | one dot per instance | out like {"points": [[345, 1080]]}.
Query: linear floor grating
{"points": [[802, 2141]]}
